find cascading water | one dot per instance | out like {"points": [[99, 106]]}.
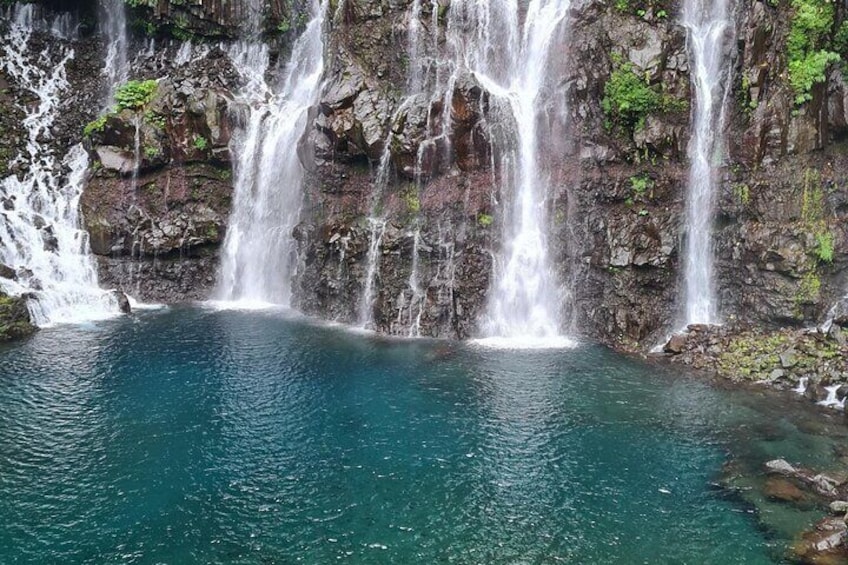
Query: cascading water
{"points": [[258, 258], [487, 41], [113, 23], [40, 235], [709, 26], [512, 61]]}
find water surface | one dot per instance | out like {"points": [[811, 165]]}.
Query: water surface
{"points": [[195, 436]]}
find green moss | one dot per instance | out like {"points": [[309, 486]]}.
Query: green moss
{"points": [[485, 220], [809, 291]]}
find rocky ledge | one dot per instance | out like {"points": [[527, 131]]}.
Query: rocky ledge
{"points": [[14, 318], [813, 362]]}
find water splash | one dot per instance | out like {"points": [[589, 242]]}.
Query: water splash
{"points": [[40, 234], [258, 257], [709, 27]]}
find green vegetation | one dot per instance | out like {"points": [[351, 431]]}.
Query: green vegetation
{"points": [[485, 220], [824, 247], [808, 46], [742, 192], [155, 119], [629, 98], [135, 94], [641, 8], [412, 201], [641, 184], [200, 143], [95, 126]]}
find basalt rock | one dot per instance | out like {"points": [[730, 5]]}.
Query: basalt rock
{"points": [[15, 322], [162, 182]]}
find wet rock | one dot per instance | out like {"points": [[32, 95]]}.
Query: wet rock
{"points": [[824, 544], [15, 322], [782, 467], [7, 272], [839, 507], [123, 302], [675, 345]]}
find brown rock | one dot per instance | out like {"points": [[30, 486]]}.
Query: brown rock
{"points": [[784, 490]]}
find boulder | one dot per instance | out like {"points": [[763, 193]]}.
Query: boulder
{"points": [[123, 302]]}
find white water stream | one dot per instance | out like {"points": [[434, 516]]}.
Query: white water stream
{"points": [[709, 27], [512, 61], [113, 26], [40, 230], [259, 254]]}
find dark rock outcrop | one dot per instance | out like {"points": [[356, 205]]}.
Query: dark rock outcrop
{"points": [[14, 318]]}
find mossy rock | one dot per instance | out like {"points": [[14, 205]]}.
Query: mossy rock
{"points": [[14, 318]]}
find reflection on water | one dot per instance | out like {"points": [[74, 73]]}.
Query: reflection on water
{"points": [[244, 437]]}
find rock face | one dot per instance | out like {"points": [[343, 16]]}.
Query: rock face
{"points": [[14, 318], [159, 193], [157, 202]]}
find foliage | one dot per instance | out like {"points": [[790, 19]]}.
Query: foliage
{"points": [[412, 201], [812, 199], [485, 220], [629, 98], [155, 119], [95, 126], [200, 143], [808, 45], [135, 94], [809, 71], [824, 247], [742, 192], [640, 184]]}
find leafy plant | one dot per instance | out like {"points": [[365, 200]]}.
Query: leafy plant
{"points": [[640, 184], [412, 201], [807, 46], [485, 220], [200, 143], [824, 248], [135, 94], [628, 98], [95, 126]]}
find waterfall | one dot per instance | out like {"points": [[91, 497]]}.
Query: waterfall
{"points": [[113, 25], [258, 258], [709, 27], [40, 235], [366, 305], [512, 62]]}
